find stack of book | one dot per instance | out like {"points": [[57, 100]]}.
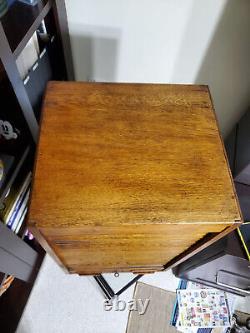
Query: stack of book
{"points": [[199, 309], [15, 204]]}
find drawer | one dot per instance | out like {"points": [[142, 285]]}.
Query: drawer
{"points": [[114, 257], [144, 179], [181, 231], [95, 270], [125, 248]]}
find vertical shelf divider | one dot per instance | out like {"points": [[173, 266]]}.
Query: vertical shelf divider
{"points": [[10, 66], [62, 23]]}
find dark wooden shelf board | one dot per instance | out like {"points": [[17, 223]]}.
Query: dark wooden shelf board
{"points": [[21, 21], [14, 300], [9, 182]]}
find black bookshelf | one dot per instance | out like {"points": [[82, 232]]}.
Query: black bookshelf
{"points": [[24, 20], [18, 257]]}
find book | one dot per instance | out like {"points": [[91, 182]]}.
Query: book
{"points": [[184, 284], [15, 219], [18, 227], [16, 194], [17, 208], [175, 314], [28, 56], [204, 308]]}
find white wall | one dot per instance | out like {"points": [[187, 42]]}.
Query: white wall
{"points": [[167, 41]]}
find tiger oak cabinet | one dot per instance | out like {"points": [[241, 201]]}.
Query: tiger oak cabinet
{"points": [[129, 177]]}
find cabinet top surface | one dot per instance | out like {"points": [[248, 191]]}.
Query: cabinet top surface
{"points": [[130, 154]]}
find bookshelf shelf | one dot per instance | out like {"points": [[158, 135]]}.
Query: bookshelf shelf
{"points": [[8, 183], [13, 301], [21, 21]]}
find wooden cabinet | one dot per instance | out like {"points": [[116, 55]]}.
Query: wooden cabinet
{"points": [[129, 177]]}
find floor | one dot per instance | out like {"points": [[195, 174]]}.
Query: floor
{"points": [[61, 303]]}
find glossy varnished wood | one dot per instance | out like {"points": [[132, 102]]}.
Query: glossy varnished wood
{"points": [[129, 176]]}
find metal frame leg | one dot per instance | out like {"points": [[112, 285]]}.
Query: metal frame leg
{"points": [[108, 291]]}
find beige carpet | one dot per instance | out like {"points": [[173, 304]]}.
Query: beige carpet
{"points": [[157, 317]]}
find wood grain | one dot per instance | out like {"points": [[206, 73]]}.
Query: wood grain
{"points": [[123, 168]]}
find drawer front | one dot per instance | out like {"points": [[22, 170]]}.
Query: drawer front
{"points": [[95, 270], [133, 248]]}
